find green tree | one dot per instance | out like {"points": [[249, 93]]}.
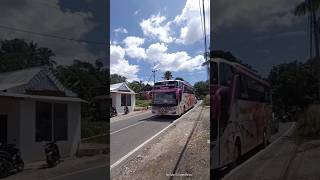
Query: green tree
{"points": [[136, 86], [293, 85], [311, 7], [116, 78], [167, 75], [201, 89], [17, 54]]}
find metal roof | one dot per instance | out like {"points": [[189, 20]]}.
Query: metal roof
{"points": [[121, 88], [32, 78], [55, 98]]}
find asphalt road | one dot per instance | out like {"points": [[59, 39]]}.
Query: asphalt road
{"points": [[128, 134], [265, 163], [98, 173]]}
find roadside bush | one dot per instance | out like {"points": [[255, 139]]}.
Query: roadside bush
{"points": [[206, 101], [308, 124], [93, 128], [143, 103]]}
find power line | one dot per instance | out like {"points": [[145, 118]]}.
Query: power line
{"points": [[53, 36], [200, 11], [204, 24]]}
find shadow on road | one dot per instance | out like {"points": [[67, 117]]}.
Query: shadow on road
{"points": [[161, 118], [219, 174]]}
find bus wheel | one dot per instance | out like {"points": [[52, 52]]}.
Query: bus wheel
{"points": [[236, 153]]}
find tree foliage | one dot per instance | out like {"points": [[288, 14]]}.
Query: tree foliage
{"points": [[293, 85], [17, 54], [116, 78], [167, 75], [201, 89]]}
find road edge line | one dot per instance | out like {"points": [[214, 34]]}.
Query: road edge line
{"points": [[126, 127], [126, 118]]}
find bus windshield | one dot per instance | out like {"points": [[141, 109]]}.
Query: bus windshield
{"points": [[165, 98]]}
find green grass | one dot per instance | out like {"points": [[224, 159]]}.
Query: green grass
{"points": [[308, 124], [143, 103], [93, 128]]}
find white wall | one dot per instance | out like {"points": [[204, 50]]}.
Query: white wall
{"points": [[10, 107], [116, 102], [34, 151]]}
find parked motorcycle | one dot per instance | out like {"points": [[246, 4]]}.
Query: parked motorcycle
{"points": [[113, 112], [126, 110], [52, 153], [10, 160]]}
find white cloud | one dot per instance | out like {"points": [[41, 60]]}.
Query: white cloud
{"points": [[178, 61], [119, 65], [190, 20], [49, 20], [132, 47], [121, 30], [136, 12], [259, 15], [154, 27]]}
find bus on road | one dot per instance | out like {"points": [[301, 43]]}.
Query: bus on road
{"points": [[240, 112], [172, 97]]}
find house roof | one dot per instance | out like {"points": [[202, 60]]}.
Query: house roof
{"points": [[32, 78], [37, 97], [121, 88], [17, 78]]}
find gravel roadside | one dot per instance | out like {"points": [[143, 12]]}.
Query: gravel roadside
{"points": [[158, 159]]}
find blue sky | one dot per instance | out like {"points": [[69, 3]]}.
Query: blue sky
{"points": [[165, 35]]}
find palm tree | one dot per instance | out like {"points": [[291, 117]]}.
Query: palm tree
{"points": [[310, 7], [167, 75]]}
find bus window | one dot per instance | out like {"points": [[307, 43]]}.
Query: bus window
{"points": [[213, 73], [226, 74]]}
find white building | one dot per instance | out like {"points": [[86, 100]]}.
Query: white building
{"points": [[122, 96], [35, 107]]}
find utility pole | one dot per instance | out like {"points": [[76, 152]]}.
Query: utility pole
{"points": [[154, 82]]}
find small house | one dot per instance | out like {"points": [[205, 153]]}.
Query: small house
{"points": [[122, 96], [36, 108]]}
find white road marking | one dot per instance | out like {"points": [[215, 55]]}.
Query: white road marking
{"points": [[148, 140], [126, 127], [126, 118], [259, 153], [76, 172]]}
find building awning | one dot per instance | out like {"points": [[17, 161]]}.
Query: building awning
{"points": [[123, 92], [36, 97]]}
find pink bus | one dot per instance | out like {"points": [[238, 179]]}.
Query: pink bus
{"points": [[240, 112], [172, 97]]}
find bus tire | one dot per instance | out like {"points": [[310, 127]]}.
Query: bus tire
{"points": [[236, 153]]}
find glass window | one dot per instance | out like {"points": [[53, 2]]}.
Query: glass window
{"points": [[128, 99], [226, 74], [123, 100], [51, 120], [43, 121], [213, 73], [60, 122], [164, 98]]}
